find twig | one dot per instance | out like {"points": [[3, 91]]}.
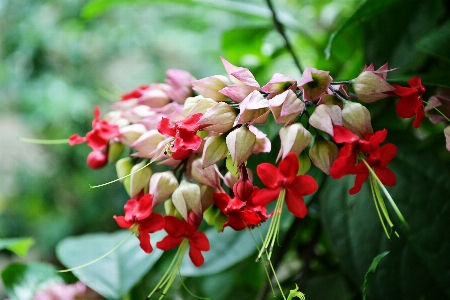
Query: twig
{"points": [[280, 28]]}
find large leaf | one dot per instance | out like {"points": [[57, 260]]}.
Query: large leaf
{"points": [[22, 281], [19, 246], [438, 42], [418, 265], [114, 275]]}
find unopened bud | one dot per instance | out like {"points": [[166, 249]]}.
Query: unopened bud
{"points": [[219, 118], [162, 185], [97, 159], [294, 138], [370, 87], [187, 195], [240, 144], [129, 134], [115, 151], [356, 117], [207, 176], [214, 150], [139, 178], [197, 104], [323, 153], [210, 87]]}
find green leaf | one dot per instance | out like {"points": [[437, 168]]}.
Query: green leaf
{"points": [[365, 10], [295, 293], [418, 262], [371, 270], [227, 249], [22, 281], [114, 275], [437, 42], [19, 246]]}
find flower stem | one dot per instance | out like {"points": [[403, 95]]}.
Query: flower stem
{"points": [[43, 142], [121, 178], [435, 108]]}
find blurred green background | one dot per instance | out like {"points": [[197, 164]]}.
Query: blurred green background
{"points": [[58, 59]]}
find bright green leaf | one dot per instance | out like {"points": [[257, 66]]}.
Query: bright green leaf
{"points": [[371, 270], [19, 246], [22, 281], [114, 275]]}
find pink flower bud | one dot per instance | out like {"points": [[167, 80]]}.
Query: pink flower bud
{"points": [[148, 144], [198, 104], [214, 150], [162, 185], [285, 107], [294, 138], [356, 117], [97, 159], [210, 87], [207, 176], [240, 144], [314, 83], [323, 153], [139, 179], [129, 134], [278, 84], [370, 87], [254, 109], [262, 143], [324, 117], [219, 118]]}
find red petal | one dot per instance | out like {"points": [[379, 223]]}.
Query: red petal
{"points": [[165, 128], [302, 185], [344, 164], [153, 223], [76, 139], [190, 123], [169, 242], [265, 196], [130, 207], [416, 82], [420, 114], [95, 141], [296, 205], [221, 200], [405, 106], [388, 152], [144, 207], [96, 113], [343, 135], [188, 139], [122, 222], [196, 257], [144, 239], [378, 137], [288, 168], [359, 180], [386, 176], [268, 175], [200, 241], [174, 227]]}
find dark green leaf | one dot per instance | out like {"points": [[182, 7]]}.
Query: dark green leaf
{"points": [[22, 281], [437, 43], [19, 246], [116, 274], [371, 270]]}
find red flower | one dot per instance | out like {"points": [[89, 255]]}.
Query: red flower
{"points": [[355, 149], [410, 103], [241, 214], [141, 220], [98, 137], [136, 93], [179, 230], [186, 140], [285, 176]]}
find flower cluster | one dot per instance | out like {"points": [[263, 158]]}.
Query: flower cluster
{"points": [[204, 132]]}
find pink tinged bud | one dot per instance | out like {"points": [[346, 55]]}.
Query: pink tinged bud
{"points": [[323, 153], [198, 104], [230, 180], [294, 138], [148, 144], [356, 117], [115, 151], [330, 100], [240, 143], [262, 143], [155, 95], [129, 134], [180, 81], [219, 118], [162, 185], [286, 107], [210, 87], [254, 109], [139, 180], [447, 137], [278, 84], [214, 150], [370, 87], [187, 195], [325, 116], [314, 83], [207, 176], [97, 159]]}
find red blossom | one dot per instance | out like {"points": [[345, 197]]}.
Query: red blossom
{"points": [[349, 160], [136, 93], [411, 102], [184, 131], [285, 176], [177, 231], [102, 131], [141, 220]]}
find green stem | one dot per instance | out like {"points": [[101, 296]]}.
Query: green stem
{"points": [[43, 142], [435, 108]]}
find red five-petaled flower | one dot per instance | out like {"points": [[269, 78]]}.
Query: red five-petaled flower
{"points": [[355, 149], [141, 220], [184, 131], [98, 137], [411, 103], [285, 176], [177, 231]]}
